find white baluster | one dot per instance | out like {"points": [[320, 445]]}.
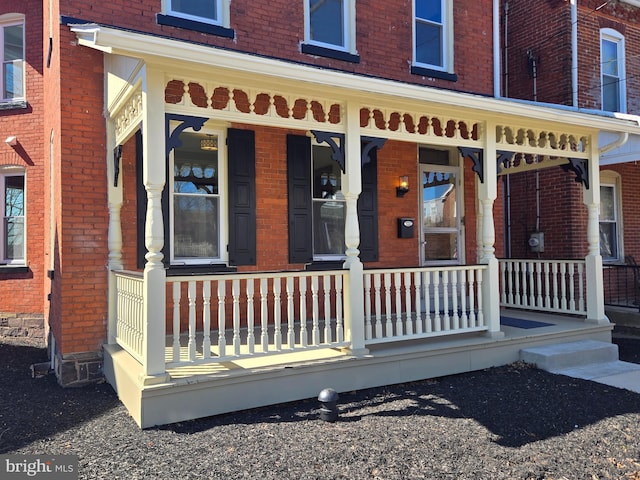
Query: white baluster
{"points": [[235, 294], [387, 305], [315, 335], [251, 335], [192, 321], [454, 298], [206, 319], [426, 294], [397, 286], [464, 320], [417, 280], [539, 284], [327, 308], [480, 296], [472, 298], [547, 287], [581, 287], [339, 319], [291, 333], [304, 341], [572, 293], [367, 306], [445, 299], [264, 315], [436, 302], [407, 304], [563, 284], [176, 321], [556, 301], [277, 315], [378, 298], [222, 313]]}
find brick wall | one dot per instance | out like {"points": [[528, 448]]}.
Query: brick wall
{"points": [[383, 31], [22, 295]]}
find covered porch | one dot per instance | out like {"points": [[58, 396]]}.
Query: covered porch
{"points": [[183, 346]]}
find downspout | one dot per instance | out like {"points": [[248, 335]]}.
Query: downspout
{"points": [[621, 140], [496, 49], [574, 53], [505, 87]]}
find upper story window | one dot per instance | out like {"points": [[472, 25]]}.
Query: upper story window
{"points": [[614, 98], [431, 34], [12, 48], [330, 29], [12, 204], [199, 10], [206, 16]]}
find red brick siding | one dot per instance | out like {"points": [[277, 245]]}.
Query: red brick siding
{"points": [[383, 35], [24, 292]]}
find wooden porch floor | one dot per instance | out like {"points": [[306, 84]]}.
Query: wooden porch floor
{"points": [[200, 390]]}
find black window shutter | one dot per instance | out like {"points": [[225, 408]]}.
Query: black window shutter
{"points": [[242, 196], [368, 209], [300, 200]]}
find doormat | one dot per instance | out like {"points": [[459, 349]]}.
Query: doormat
{"points": [[521, 323]]}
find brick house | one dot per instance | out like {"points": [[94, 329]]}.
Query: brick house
{"points": [[582, 54], [244, 210]]}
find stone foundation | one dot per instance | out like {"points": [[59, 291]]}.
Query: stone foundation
{"points": [[78, 369], [29, 325]]}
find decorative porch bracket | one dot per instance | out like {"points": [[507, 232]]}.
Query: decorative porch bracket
{"points": [[476, 155], [504, 157], [581, 168], [117, 155], [368, 144], [338, 150], [173, 139]]}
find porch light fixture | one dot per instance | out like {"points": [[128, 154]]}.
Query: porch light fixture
{"points": [[209, 144], [403, 186]]}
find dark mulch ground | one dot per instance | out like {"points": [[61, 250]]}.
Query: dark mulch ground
{"points": [[512, 422]]}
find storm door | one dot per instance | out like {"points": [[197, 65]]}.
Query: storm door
{"points": [[440, 208]]}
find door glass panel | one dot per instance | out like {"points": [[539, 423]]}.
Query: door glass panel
{"points": [[440, 215]]}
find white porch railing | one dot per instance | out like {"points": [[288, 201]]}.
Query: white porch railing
{"points": [[546, 285], [129, 313], [422, 302], [267, 313]]}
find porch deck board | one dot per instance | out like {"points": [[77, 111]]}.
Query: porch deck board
{"points": [[195, 391]]}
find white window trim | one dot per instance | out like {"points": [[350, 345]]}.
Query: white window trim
{"points": [[9, 20], [4, 172], [617, 38], [223, 231], [348, 28], [447, 39], [222, 13], [612, 179], [316, 257]]}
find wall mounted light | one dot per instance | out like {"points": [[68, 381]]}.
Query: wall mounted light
{"points": [[210, 144], [403, 186], [11, 141]]}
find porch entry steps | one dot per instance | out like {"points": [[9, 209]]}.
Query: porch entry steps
{"points": [[586, 359]]}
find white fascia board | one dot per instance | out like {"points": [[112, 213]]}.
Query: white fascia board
{"points": [[167, 50], [635, 3]]}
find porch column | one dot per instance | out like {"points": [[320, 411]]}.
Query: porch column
{"points": [[593, 260], [351, 188], [487, 194], [154, 173], [114, 239]]}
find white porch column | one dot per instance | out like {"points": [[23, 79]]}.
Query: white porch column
{"points": [[351, 188], [593, 260], [114, 239], [154, 173], [487, 194]]}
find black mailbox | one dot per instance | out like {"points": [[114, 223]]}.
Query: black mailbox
{"points": [[405, 227]]}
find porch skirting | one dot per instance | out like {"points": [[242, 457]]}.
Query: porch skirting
{"points": [[196, 392]]}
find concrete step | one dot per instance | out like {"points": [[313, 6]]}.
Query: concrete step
{"points": [[566, 355], [588, 360]]}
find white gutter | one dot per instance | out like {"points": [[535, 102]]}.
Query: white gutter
{"points": [[621, 140], [173, 52], [496, 49], [574, 53]]}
